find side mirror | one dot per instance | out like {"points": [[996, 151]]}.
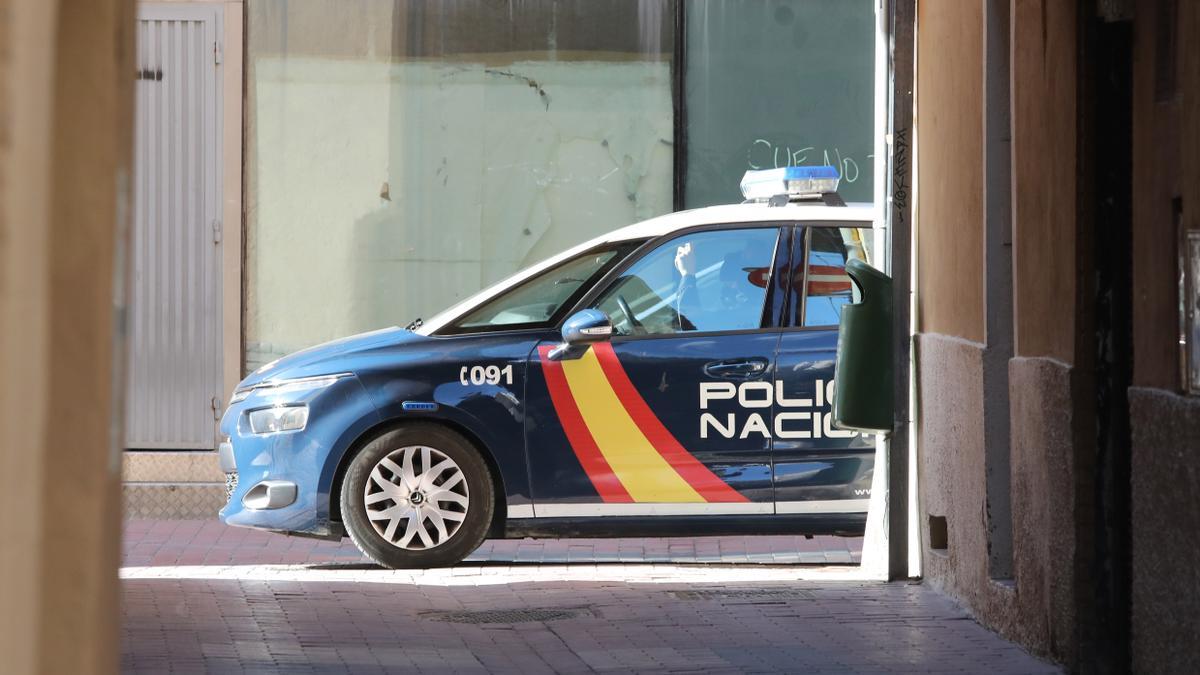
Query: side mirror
{"points": [[580, 330]]}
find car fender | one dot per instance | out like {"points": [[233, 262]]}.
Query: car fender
{"points": [[392, 416]]}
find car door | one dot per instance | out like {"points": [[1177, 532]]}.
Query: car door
{"points": [[672, 415], [818, 468]]}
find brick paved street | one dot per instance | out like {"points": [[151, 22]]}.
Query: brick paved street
{"points": [[194, 542], [201, 597]]}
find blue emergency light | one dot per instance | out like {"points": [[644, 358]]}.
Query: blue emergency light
{"points": [[797, 182]]}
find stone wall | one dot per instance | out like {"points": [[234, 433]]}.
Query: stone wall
{"points": [[1039, 605], [1166, 518], [1051, 489]]}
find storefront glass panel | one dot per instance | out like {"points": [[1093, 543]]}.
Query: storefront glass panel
{"points": [[774, 83], [402, 155]]}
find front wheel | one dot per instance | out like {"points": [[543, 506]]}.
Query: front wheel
{"points": [[416, 497]]}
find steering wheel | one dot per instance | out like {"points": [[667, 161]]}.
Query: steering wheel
{"points": [[633, 320]]}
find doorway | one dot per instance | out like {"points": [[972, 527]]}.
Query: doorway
{"points": [[174, 385]]}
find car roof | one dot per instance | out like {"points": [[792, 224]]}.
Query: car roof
{"points": [[754, 212], [751, 212]]}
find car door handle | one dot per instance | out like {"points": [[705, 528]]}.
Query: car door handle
{"points": [[735, 368]]}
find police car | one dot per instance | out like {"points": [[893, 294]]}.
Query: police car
{"points": [[673, 377]]}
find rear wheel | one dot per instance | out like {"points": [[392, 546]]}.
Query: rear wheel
{"points": [[418, 496]]}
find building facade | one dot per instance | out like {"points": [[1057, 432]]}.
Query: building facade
{"points": [[1056, 187]]}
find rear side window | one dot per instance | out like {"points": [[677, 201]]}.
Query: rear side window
{"points": [[827, 287]]}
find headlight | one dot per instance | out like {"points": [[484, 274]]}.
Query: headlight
{"points": [[285, 386], [275, 420]]}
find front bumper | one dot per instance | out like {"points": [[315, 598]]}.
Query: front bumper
{"points": [[279, 481]]}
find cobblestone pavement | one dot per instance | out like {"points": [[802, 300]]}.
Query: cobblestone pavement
{"points": [[199, 597]]}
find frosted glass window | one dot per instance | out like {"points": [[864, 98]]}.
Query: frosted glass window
{"points": [[403, 155]]}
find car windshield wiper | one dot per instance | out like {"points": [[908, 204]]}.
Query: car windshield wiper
{"points": [[416, 323]]}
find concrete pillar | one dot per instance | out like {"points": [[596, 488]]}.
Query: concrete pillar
{"points": [[66, 115]]}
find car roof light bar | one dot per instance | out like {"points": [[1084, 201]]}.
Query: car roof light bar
{"points": [[790, 183]]}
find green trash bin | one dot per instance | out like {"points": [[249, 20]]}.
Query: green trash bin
{"points": [[862, 398]]}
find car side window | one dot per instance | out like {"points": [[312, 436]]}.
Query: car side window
{"points": [[707, 281], [827, 286]]}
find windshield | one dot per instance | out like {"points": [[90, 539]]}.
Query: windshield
{"points": [[537, 300]]}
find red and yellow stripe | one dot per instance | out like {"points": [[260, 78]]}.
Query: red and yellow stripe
{"points": [[626, 451]]}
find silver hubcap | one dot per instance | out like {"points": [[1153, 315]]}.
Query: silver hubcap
{"points": [[416, 498]]}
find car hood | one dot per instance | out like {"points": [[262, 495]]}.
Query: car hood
{"points": [[313, 361]]}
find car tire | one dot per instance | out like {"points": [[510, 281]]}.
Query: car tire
{"points": [[424, 473]]}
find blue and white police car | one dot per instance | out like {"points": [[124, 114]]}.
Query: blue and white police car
{"points": [[672, 377]]}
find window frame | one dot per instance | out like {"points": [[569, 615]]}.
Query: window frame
{"points": [[769, 320], [795, 321]]}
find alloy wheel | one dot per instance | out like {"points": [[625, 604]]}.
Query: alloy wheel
{"points": [[416, 498]]}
